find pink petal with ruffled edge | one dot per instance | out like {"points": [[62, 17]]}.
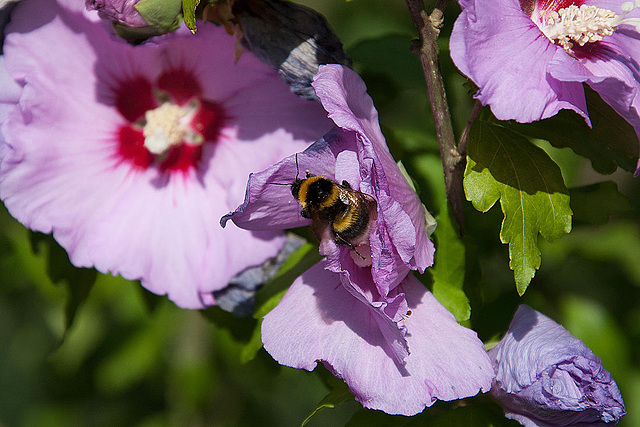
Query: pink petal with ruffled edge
{"points": [[319, 321], [611, 70], [60, 174]]}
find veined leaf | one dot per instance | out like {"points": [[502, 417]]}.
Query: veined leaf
{"points": [[504, 166]]}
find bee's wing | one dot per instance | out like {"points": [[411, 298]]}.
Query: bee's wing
{"points": [[348, 196], [353, 197]]}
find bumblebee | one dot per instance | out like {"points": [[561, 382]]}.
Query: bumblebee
{"points": [[348, 212]]}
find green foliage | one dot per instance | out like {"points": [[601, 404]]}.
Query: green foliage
{"points": [[595, 203], [534, 200], [568, 129], [389, 56], [481, 415], [448, 272], [78, 281], [339, 393]]}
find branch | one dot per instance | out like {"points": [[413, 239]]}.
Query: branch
{"points": [[453, 160], [464, 138]]}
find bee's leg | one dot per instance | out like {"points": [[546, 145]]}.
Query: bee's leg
{"points": [[348, 244]]}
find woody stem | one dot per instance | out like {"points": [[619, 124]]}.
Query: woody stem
{"points": [[453, 160]]}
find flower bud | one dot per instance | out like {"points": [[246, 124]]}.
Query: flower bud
{"points": [[547, 377], [139, 19]]}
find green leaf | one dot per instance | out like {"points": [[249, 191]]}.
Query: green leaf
{"points": [[241, 328], [504, 166], [449, 268], [299, 262], [338, 394], [594, 204], [79, 281], [189, 11], [391, 56], [568, 129], [250, 350]]}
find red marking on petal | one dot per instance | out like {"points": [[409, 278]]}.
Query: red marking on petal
{"points": [[181, 158], [180, 84], [208, 120], [133, 98], [592, 51], [132, 149], [555, 5]]}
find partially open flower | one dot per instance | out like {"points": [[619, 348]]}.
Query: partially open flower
{"points": [[121, 11], [129, 155], [359, 311], [529, 58], [547, 377]]}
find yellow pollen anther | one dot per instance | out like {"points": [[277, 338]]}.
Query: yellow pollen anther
{"points": [[165, 127], [584, 24]]}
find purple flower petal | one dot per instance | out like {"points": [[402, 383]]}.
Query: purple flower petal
{"points": [[486, 37], [9, 96], [63, 169], [546, 376], [319, 321], [355, 152], [399, 242]]}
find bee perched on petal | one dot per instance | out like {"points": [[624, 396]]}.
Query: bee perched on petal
{"points": [[348, 212]]}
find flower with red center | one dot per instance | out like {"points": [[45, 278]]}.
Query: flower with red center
{"points": [[130, 154], [529, 58]]}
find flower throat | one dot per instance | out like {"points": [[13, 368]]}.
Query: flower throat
{"points": [[583, 24]]}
